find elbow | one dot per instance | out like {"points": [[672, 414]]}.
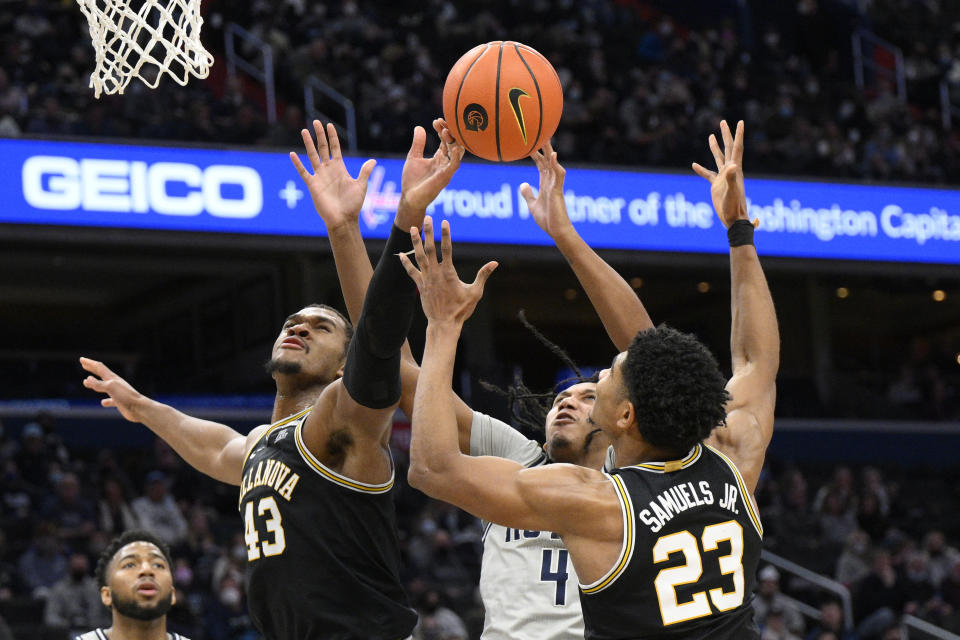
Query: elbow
{"points": [[417, 476], [426, 478]]}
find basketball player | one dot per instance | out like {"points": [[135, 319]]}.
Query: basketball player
{"points": [[527, 584], [315, 486], [137, 586], [666, 545]]}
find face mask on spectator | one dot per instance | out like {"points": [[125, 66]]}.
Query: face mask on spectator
{"points": [[230, 596], [184, 576]]}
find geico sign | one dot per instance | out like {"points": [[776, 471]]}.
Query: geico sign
{"points": [[56, 182]]}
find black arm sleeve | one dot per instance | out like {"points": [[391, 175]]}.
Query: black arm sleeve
{"points": [[372, 371]]}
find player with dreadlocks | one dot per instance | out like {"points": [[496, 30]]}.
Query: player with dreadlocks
{"points": [[527, 584]]}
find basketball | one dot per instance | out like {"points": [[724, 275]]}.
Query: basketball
{"points": [[502, 100]]}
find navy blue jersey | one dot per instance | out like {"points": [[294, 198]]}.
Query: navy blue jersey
{"points": [[692, 541], [322, 549]]}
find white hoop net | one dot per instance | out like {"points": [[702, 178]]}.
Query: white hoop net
{"points": [[144, 39]]}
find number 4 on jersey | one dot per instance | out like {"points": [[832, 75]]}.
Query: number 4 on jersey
{"points": [[559, 576]]}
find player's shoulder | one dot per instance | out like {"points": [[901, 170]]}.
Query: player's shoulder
{"points": [[572, 476]]}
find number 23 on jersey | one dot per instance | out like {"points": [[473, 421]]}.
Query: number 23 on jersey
{"points": [[691, 570]]}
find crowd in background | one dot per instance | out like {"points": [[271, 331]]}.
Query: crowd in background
{"points": [[59, 508], [642, 85]]}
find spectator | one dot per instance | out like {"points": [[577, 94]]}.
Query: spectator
{"points": [[157, 512], [227, 617], [74, 602], [880, 597], [854, 563], [43, 564], [437, 622], [918, 584], [775, 628], [116, 516], [831, 623], [72, 513], [34, 460], [942, 556], [769, 598]]}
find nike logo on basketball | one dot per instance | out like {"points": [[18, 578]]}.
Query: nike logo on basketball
{"points": [[515, 94]]}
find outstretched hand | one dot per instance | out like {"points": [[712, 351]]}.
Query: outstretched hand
{"points": [[424, 178], [548, 208], [337, 197], [443, 295], [119, 392], [726, 183]]}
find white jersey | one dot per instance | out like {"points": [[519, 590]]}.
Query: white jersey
{"points": [[101, 634], [527, 581]]}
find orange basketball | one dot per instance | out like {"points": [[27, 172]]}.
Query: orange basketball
{"points": [[502, 100]]}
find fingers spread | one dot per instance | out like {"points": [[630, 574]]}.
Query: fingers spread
{"points": [[365, 172], [321, 141], [295, 159], [311, 149], [738, 145], [419, 141], [96, 367], [483, 275], [715, 150], [727, 140], [412, 271], [446, 244], [527, 192], [429, 246], [703, 172], [334, 141]]}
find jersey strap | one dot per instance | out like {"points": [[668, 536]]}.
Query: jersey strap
{"points": [[672, 465], [271, 428], [744, 492], [626, 551], [338, 478]]}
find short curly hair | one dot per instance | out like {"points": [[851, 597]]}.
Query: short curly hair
{"points": [[134, 535], [676, 388]]}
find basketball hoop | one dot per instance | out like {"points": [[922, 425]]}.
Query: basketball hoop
{"points": [[144, 39]]}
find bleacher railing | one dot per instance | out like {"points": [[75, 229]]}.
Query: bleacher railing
{"points": [[834, 587], [948, 110], [313, 86], [262, 72], [917, 629]]}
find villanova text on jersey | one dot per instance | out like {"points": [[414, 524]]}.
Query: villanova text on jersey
{"points": [[687, 568], [322, 549]]}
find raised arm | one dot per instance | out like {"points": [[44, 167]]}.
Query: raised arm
{"points": [[370, 387], [615, 301], [554, 497], [210, 447], [754, 335], [338, 200]]}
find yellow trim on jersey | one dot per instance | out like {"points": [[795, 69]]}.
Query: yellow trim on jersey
{"points": [[626, 508], [670, 465], [751, 511], [269, 429], [338, 478]]}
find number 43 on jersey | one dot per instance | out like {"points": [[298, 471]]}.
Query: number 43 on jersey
{"points": [[274, 524]]}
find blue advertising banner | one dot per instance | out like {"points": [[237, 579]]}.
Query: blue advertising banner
{"points": [[104, 185]]}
